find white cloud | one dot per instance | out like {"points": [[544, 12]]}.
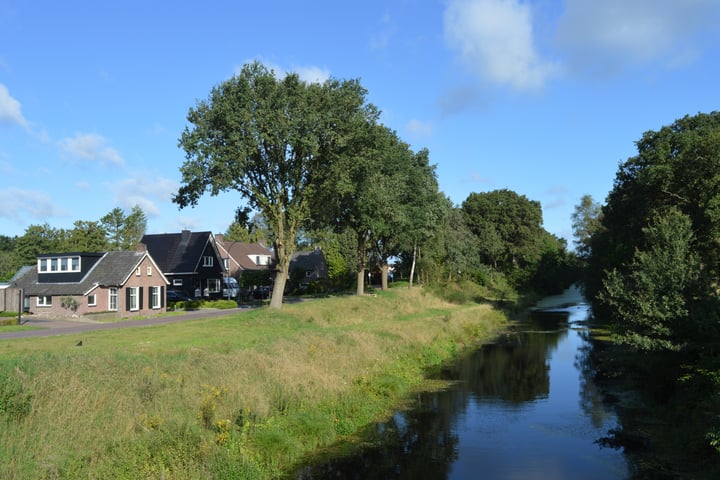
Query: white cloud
{"points": [[90, 147], [21, 205], [495, 41], [10, 110], [313, 74], [146, 191], [417, 128], [605, 36], [308, 73]]}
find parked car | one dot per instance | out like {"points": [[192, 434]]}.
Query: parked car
{"points": [[262, 293], [175, 296]]}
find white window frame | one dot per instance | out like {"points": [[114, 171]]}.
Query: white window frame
{"points": [[113, 299], [148, 270], [134, 299], [155, 297], [208, 261], [214, 285], [177, 282], [59, 264], [137, 272], [44, 301], [92, 300]]}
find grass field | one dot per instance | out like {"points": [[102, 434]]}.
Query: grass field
{"points": [[242, 396]]}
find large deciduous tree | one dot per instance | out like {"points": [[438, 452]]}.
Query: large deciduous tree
{"points": [[676, 173], [268, 139]]}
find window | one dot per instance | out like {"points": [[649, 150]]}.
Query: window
{"points": [[137, 272], [134, 303], [214, 285], [44, 301], [308, 273], [226, 262], [177, 282], [149, 271], [59, 264], [155, 297], [207, 261], [91, 300], [257, 260], [112, 299]]}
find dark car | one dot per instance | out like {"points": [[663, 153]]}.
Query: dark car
{"points": [[262, 293], [175, 296]]}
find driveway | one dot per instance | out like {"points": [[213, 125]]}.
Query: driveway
{"points": [[50, 327]]}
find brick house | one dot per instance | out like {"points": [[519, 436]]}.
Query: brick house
{"points": [[127, 283]]}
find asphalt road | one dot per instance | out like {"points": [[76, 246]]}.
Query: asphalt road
{"points": [[50, 327]]}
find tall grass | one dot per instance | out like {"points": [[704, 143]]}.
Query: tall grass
{"points": [[243, 396]]}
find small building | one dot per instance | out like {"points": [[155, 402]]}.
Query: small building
{"points": [[191, 262], [127, 283], [306, 267]]}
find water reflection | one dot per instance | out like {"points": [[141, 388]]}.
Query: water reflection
{"points": [[519, 408]]}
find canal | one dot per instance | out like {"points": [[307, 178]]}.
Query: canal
{"points": [[524, 407]]}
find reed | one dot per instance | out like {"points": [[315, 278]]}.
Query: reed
{"points": [[243, 396]]}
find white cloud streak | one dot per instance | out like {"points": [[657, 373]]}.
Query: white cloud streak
{"points": [[20, 205], [608, 35], [10, 109], [91, 148]]}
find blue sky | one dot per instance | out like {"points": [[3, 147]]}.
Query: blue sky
{"points": [[542, 97]]}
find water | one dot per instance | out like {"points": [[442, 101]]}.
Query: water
{"points": [[522, 408]]}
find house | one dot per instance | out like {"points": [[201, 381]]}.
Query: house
{"points": [[244, 256], [191, 261], [70, 284], [308, 267]]}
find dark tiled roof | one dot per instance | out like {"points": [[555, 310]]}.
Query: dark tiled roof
{"points": [[177, 252], [111, 270], [307, 260]]}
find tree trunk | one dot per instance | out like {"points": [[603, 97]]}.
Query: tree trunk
{"points": [[281, 277], [412, 266], [361, 282], [384, 276]]}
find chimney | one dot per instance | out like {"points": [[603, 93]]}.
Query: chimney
{"points": [[140, 247], [219, 237]]}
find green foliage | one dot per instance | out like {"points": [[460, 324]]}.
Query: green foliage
{"points": [[15, 402], [124, 231], [69, 303], [270, 139]]}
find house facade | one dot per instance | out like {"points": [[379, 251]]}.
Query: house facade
{"points": [[307, 267], [123, 283], [191, 262], [244, 256]]}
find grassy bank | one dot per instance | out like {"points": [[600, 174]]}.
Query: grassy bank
{"points": [[243, 396]]}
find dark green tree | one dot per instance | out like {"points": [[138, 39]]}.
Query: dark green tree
{"points": [[269, 139], [38, 239], [650, 298], [124, 231], [677, 167], [86, 237], [512, 219]]}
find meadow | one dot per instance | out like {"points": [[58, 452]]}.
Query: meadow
{"points": [[247, 395]]}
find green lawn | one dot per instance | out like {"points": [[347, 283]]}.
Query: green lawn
{"points": [[246, 395]]}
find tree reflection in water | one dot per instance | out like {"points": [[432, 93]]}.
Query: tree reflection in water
{"points": [[514, 373]]}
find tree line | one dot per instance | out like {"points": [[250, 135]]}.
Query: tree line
{"points": [[117, 230], [652, 262], [314, 160]]}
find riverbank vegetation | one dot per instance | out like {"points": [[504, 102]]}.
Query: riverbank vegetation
{"points": [[243, 396], [653, 270]]}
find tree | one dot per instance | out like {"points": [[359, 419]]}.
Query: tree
{"points": [[515, 221], [86, 237], [269, 139], [586, 222], [651, 297], [124, 231], [676, 172], [38, 239]]}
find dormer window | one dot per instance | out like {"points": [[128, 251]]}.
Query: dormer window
{"points": [[59, 264]]}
